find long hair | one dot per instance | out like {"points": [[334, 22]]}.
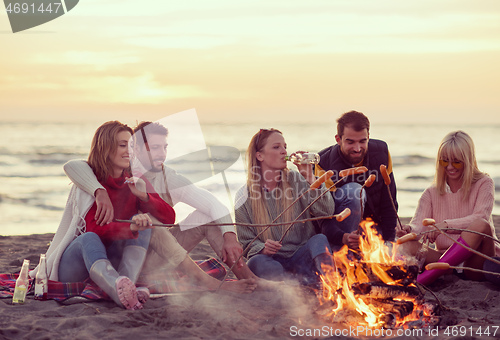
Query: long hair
{"points": [[255, 189], [458, 145], [104, 145]]}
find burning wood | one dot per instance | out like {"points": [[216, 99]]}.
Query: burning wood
{"points": [[370, 281]]}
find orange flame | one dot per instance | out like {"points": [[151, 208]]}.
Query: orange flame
{"points": [[367, 264]]}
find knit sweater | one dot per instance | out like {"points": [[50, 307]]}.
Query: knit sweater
{"points": [[300, 233], [126, 205], [455, 211]]}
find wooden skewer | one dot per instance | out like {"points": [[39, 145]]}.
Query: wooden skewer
{"points": [[463, 245], [234, 223], [368, 183], [444, 265], [387, 181], [339, 217], [323, 178]]}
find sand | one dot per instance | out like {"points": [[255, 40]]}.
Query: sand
{"points": [[286, 313]]}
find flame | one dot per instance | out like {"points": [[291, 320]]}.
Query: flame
{"points": [[370, 263]]}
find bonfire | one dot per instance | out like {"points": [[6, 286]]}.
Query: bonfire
{"points": [[373, 286]]}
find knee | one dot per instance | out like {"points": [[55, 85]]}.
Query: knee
{"points": [[89, 237], [481, 225], [265, 267]]}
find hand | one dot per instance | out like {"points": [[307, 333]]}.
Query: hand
{"points": [[352, 240], [403, 230], [231, 250], [271, 247], [141, 222], [105, 212], [138, 187], [434, 235], [305, 169]]}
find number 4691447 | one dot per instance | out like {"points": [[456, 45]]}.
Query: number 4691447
{"points": [[25, 8]]}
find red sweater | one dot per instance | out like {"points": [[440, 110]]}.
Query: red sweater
{"points": [[125, 206]]}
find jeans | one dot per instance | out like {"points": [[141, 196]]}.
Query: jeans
{"points": [[301, 265], [87, 248], [347, 196]]}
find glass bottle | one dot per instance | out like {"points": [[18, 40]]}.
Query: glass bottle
{"points": [[22, 283], [41, 282], [304, 158]]}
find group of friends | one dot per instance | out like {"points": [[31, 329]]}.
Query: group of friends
{"points": [[125, 178]]}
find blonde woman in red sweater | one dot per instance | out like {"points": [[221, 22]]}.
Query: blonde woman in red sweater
{"points": [[461, 197]]}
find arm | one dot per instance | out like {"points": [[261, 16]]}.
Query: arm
{"points": [[154, 204], [182, 190], [81, 174], [424, 210]]}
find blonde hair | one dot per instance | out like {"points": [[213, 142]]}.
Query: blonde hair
{"points": [[458, 145], [255, 189], [104, 145]]}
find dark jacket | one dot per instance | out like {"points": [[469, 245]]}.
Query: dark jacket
{"points": [[378, 205]]}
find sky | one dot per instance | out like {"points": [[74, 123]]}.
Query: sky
{"points": [[279, 61]]}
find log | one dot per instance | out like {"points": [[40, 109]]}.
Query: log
{"points": [[383, 291], [399, 308]]}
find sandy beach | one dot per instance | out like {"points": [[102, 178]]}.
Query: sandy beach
{"points": [[286, 313]]}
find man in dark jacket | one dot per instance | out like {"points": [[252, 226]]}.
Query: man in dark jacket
{"points": [[354, 148]]}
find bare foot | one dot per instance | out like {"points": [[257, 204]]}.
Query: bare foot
{"points": [[244, 286], [263, 284]]}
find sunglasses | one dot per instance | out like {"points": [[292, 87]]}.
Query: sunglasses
{"points": [[456, 165]]}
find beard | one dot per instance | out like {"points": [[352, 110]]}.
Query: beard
{"points": [[355, 158]]}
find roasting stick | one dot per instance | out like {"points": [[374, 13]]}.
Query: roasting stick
{"points": [[233, 223], [431, 222], [313, 186], [346, 212], [368, 183], [444, 265], [413, 236], [387, 181]]}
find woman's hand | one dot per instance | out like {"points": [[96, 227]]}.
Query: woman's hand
{"points": [[141, 222], [105, 212], [271, 247], [305, 169], [403, 230], [138, 187], [434, 235]]}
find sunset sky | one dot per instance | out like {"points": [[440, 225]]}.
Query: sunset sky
{"points": [[274, 60]]}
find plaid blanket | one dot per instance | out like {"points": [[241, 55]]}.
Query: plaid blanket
{"points": [[157, 283]]}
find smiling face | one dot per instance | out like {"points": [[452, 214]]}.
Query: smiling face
{"points": [[120, 160], [157, 150], [273, 154], [353, 144], [453, 167]]}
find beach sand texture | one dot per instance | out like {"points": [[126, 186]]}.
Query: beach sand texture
{"points": [[260, 315]]}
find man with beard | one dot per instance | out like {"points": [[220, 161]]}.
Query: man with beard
{"points": [[355, 148], [150, 152]]}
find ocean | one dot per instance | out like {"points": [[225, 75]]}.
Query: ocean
{"points": [[34, 188]]}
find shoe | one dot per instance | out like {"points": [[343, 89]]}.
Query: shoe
{"points": [[456, 254], [131, 265], [119, 288]]}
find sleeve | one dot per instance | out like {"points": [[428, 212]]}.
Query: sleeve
{"points": [[182, 190], [157, 207], [81, 174], [483, 205], [245, 233], [388, 217], [424, 210]]}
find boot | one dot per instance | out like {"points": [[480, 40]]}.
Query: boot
{"points": [[131, 265], [327, 261], [456, 254], [119, 288]]}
